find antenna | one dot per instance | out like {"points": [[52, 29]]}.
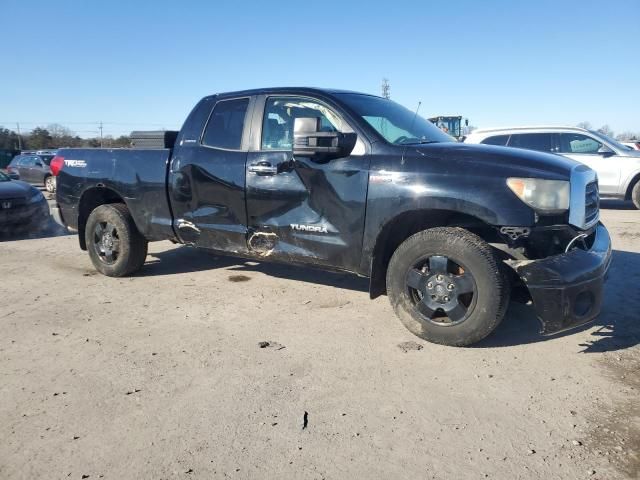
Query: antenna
{"points": [[415, 115]]}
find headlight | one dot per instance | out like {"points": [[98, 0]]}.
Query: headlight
{"points": [[36, 197], [547, 196]]}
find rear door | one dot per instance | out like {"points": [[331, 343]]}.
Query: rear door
{"points": [[207, 180], [298, 209], [586, 149], [542, 142]]}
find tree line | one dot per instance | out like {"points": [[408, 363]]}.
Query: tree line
{"points": [[606, 130], [56, 136]]}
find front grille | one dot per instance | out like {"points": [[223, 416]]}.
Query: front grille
{"points": [[591, 203], [14, 203]]}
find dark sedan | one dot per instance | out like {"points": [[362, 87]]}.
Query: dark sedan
{"points": [[22, 207], [34, 168]]}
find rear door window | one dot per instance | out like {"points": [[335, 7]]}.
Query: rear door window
{"points": [[496, 140], [226, 124], [532, 141]]}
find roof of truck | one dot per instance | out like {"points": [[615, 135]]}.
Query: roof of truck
{"points": [[261, 91]]}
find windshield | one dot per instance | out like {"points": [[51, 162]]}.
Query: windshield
{"points": [[4, 178], [46, 159], [397, 124], [610, 140]]}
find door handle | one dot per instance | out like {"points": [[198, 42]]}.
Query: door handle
{"points": [[263, 168]]}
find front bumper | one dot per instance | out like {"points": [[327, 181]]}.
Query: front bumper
{"points": [[24, 215], [567, 289]]}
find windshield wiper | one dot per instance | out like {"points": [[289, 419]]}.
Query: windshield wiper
{"points": [[421, 142]]}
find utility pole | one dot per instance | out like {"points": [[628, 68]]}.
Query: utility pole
{"points": [[100, 133], [386, 88], [19, 136]]}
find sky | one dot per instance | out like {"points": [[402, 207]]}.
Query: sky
{"points": [[144, 64]]}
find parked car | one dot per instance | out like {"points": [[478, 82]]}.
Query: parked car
{"points": [[353, 182], [34, 168], [22, 206], [618, 167], [632, 145]]}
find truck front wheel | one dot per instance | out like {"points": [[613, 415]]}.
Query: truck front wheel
{"points": [[115, 245], [447, 286]]}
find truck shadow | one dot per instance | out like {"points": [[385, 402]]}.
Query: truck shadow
{"points": [[617, 327], [186, 259]]}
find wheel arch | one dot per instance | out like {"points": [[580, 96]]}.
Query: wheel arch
{"points": [[408, 223], [635, 179], [91, 199]]}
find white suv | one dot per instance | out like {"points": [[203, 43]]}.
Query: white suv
{"points": [[618, 166]]}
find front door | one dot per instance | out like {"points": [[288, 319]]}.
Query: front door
{"points": [[207, 181], [585, 149], [26, 168], [298, 209]]}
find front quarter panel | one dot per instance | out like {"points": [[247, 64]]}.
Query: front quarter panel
{"points": [[425, 182]]}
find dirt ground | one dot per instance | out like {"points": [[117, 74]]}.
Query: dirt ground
{"points": [[163, 376]]}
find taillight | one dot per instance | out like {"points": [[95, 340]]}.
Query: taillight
{"points": [[56, 165]]}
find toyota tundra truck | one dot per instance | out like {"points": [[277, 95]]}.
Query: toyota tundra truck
{"points": [[353, 182]]}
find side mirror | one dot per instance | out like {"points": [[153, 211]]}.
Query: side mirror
{"points": [[605, 151], [309, 141]]}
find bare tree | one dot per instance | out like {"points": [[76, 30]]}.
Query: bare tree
{"points": [[585, 125], [626, 136], [606, 130]]}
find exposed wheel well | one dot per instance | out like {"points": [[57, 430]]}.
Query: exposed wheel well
{"points": [[632, 184], [408, 223], [90, 200]]}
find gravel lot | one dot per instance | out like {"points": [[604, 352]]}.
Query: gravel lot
{"points": [[163, 376]]}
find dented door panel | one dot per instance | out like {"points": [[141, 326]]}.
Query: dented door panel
{"points": [[313, 212]]}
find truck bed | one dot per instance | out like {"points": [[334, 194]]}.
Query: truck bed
{"points": [[137, 175]]}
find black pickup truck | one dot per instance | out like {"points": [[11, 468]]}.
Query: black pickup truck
{"points": [[354, 182]]}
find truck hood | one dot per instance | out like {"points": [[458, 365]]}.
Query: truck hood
{"points": [[466, 158], [15, 189]]}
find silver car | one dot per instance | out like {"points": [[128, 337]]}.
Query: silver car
{"points": [[617, 165]]}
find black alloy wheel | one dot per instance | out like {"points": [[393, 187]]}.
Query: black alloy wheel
{"points": [[442, 290]]}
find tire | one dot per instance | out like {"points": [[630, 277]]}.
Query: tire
{"points": [[635, 195], [447, 286], [50, 184], [115, 245]]}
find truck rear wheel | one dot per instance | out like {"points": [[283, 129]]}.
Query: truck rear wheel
{"points": [[50, 184], [115, 245], [446, 285], [635, 195]]}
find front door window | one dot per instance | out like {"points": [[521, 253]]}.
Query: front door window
{"points": [[280, 112]]}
